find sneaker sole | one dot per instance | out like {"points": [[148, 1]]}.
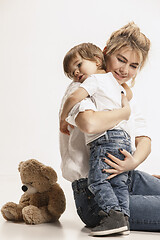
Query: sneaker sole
{"points": [[109, 232], [125, 232]]}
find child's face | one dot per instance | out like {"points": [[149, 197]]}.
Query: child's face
{"points": [[123, 64], [80, 68]]}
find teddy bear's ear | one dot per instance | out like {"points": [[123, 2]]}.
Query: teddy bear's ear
{"points": [[49, 173], [20, 164]]}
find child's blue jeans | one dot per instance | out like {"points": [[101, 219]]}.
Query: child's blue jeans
{"points": [[109, 194]]}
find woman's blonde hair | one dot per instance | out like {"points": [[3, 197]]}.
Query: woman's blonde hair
{"points": [[128, 36], [87, 51]]}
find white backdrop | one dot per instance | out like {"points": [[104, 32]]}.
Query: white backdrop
{"points": [[34, 37]]}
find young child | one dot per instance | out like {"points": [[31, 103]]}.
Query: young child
{"points": [[85, 63]]}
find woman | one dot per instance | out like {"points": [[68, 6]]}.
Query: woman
{"points": [[125, 53]]}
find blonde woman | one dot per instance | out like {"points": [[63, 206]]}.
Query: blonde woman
{"points": [[125, 54]]}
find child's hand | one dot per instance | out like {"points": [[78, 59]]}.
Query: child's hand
{"points": [[126, 106], [64, 127]]}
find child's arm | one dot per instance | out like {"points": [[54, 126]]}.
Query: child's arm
{"points": [[72, 100], [81, 94]]}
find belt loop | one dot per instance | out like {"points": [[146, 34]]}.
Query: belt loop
{"points": [[106, 135], [125, 134]]}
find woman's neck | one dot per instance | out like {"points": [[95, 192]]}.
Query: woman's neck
{"points": [[101, 71]]}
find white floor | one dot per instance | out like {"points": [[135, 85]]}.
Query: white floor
{"points": [[69, 226]]}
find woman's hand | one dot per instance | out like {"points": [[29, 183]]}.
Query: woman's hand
{"points": [[119, 166], [156, 176], [125, 105]]}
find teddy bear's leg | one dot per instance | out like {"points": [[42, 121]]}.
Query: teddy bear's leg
{"points": [[35, 215], [47, 216], [12, 212]]}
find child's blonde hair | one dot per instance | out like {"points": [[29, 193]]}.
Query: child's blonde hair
{"points": [[87, 51], [128, 36]]}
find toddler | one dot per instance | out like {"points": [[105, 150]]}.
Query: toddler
{"points": [[85, 63]]}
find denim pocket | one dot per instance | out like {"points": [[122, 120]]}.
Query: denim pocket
{"points": [[112, 149], [113, 146]]}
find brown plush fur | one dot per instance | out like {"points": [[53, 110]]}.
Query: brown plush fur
{"points": [[43, 200]]}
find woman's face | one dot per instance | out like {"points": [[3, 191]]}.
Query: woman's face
{"points": [[123, 64]]}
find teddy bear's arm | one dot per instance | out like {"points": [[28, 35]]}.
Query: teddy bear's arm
{"points": [[57, 201], [24, 201]]}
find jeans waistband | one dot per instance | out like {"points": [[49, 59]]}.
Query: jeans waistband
{"points": [[117, 133], [111, 134], [80, 184]]}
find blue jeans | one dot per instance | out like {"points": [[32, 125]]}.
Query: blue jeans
{"points": [[109, 194], [144, 202]]}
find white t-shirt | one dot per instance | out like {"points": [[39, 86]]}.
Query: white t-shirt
{"points": [[105, 93], [74, 152]]}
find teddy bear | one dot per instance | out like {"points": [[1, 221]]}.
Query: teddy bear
{"points": [[43, 199]]}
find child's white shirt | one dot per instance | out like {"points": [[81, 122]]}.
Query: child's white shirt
{"points": [[105, 93]]}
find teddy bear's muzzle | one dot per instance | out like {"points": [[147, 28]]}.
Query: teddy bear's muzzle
{"points": [[24, 188], [28, 189]]}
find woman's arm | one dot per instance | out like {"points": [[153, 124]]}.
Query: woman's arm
{"points": [[143, 149], [92, 122]]}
